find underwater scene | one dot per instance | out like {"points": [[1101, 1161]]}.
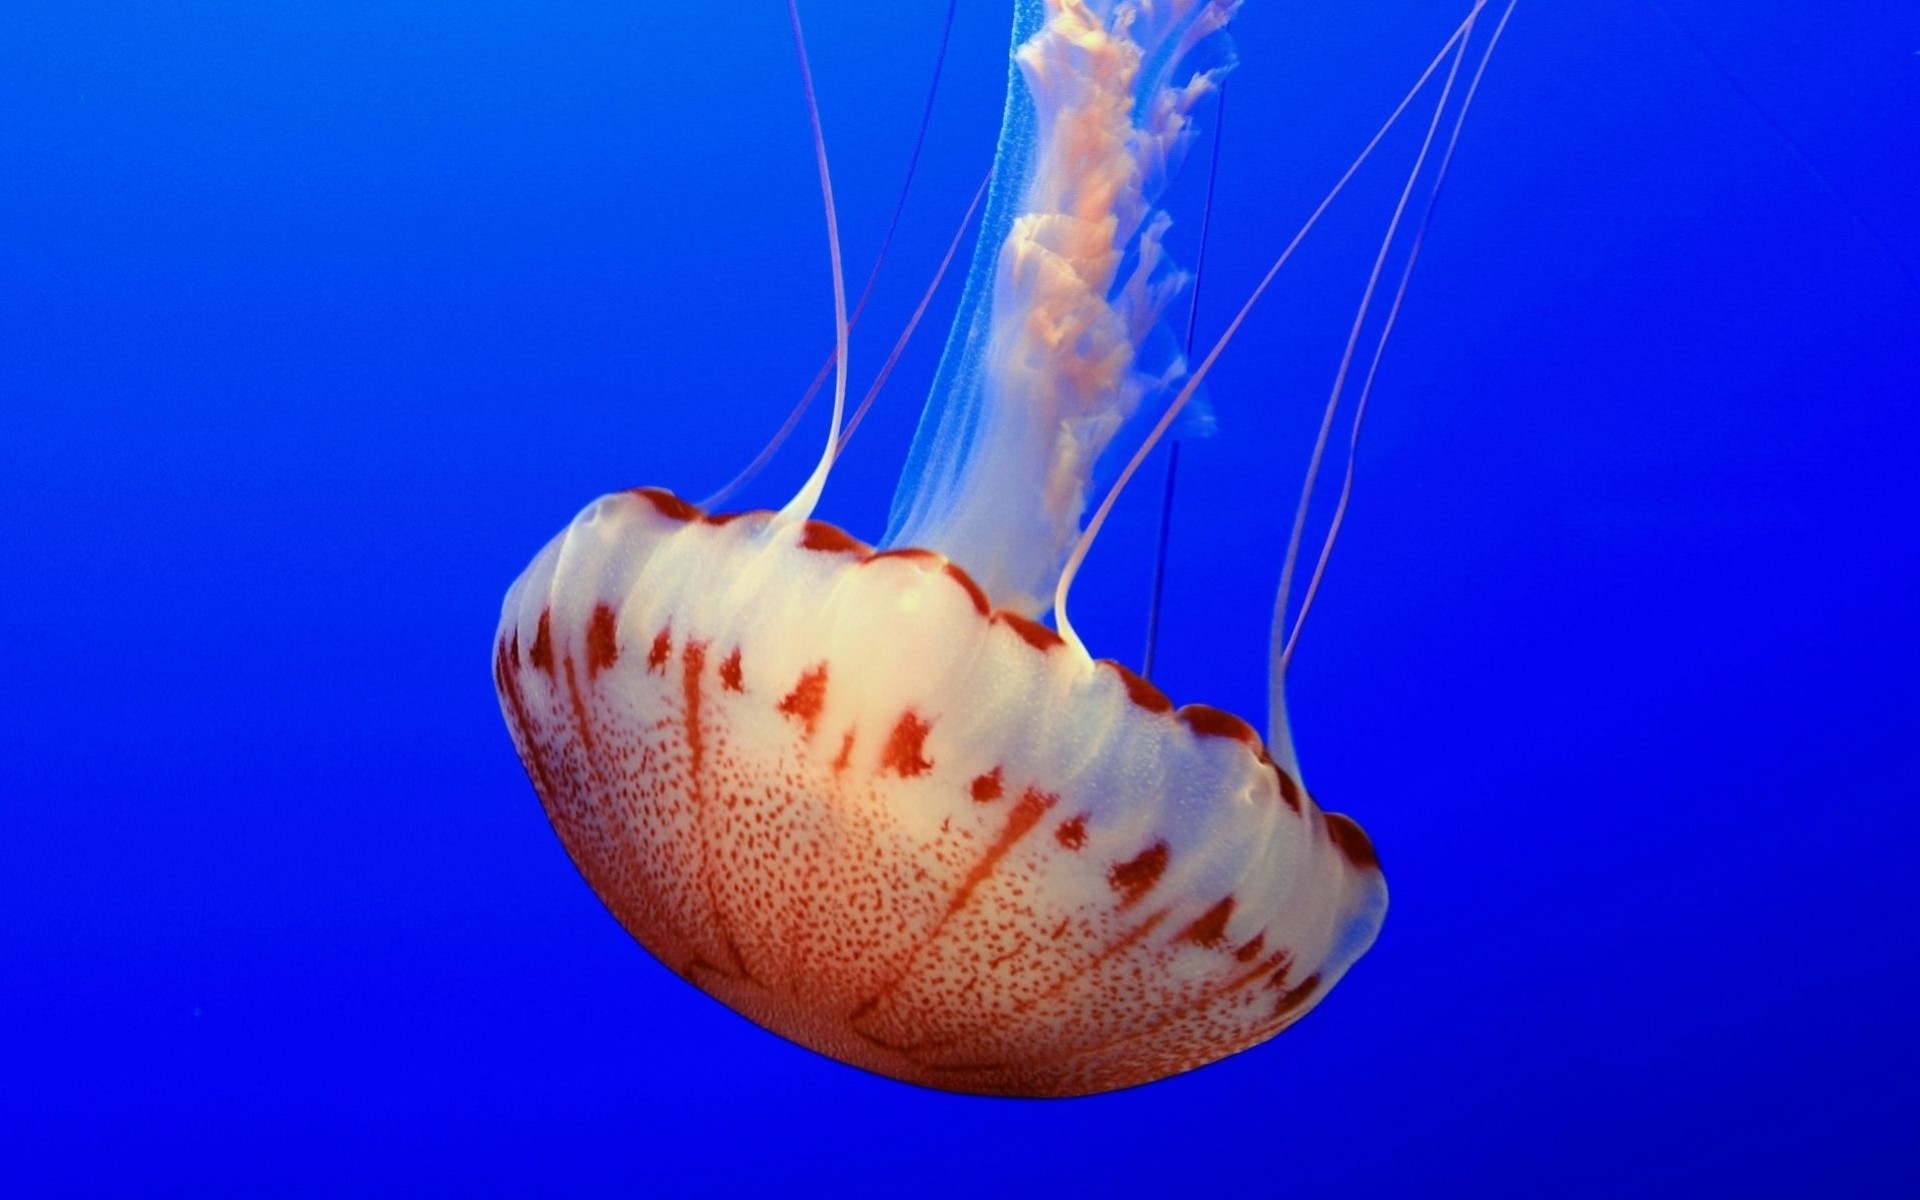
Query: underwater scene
{"points": [[1056, 597]]}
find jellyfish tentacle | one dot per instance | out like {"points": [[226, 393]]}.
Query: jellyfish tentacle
{"points": [[1792, 145], [800, 407], [1310, 483], [1165, 530], [1380, 347], [913, 322], [1185, 395], [800, 508]]}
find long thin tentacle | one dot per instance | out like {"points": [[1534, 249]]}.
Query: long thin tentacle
{"points": [[1380, 347], [1792, 144], [913, 322], [1311, 482], [799, 410], [1200, 373], [1165, 532], [801, 506]]}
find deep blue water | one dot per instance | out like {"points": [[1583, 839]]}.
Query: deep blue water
{"points": [[317, 320]]}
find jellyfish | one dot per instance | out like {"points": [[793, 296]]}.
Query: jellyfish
{"points": [[864, 794]]}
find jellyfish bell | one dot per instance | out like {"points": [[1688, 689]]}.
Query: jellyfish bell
{"points": [[841, 792], [863, 796]]}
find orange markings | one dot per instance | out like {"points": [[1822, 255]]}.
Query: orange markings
{"points": [[1033, 633], [667, 504], [662, 647], [830, 539], [1211, 928], [1352, 840], [602, 647], [1072, 834], [906, 745], [541, 656], [807, 698], [1135, 878]]}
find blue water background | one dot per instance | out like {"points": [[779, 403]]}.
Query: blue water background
{"points": [[317, 320]]}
